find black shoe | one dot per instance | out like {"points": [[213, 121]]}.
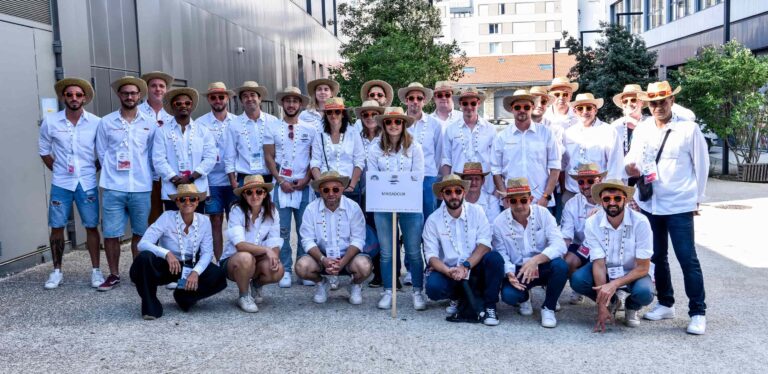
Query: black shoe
{"points": [[375, 283], [399, 285]]}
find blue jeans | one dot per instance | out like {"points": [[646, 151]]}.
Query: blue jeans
{"points": [[640, 291], [485, 277], [60, 206], [553, 275], [429, 202], [285, 228], [219, 199], [678, 228], [119, 207], [411, 225]]}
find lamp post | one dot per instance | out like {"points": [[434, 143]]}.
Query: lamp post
{"points": [[581, 36]]}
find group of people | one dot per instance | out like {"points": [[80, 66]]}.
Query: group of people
{"points": [[569, 198]]}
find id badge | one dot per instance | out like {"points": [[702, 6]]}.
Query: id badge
{"points": [[649, 172], [333, 252], [71, 164], [286, 172], [123, 161], [183, 165], [182, 283], [615, 272], [257, 162]]}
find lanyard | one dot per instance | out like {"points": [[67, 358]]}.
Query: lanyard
{"points": [[337, 148], [248, 136], [454, 244], [283, 145], [179, 153], [399, 166], [532, 231], [469, 153], [325, 228], [180, 237]]}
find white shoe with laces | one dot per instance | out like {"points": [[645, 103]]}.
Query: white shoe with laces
{"points": [[386, 300], [321, 292], [418, 301], [660, 312], [526, 309], [54, 280], [355, 294], [308, 283], [698, 325], [452, 308], [548, 318], [247, 304], [575, 298], [286, 281], [97, 278]]}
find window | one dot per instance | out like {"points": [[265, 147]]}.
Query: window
{"points": [[482, 10], [502, 8], [524, 28], [549, 7], [495, 47], [636, 21], [617, 8], [708, 3], [657, 13], [682, 8], [553, 26], [493, 28], [469, 69], [524, 47], [525, 8]]}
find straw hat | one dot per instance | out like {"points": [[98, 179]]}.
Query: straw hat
{"points": [[329, 176], [394, 112], [252, 86], [402, 93], [312, 86], [541, 92], [218, 87], [253, 181], [658, 91], [187, 189], [334, 103], [587, 170], [368, 105], [629, 90], [560, 82], [388, 92], [291, 91], [471, 92], [586, 98], [516, 186], [167, 78], [172, 93], [611, 183], [130, 80], [517, 96], [472, 168], [443, 86], [84, 85], [449, 180]]}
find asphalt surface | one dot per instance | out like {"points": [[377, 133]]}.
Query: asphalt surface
{"points": [[76, 329]]}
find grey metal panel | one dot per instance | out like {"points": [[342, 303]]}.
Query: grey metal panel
{"points": [[99, 26], [33, 10]]}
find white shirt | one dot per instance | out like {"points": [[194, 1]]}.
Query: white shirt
{"points": [[557, 132], [490, 203], [623, 132], [162, 117], [262, 232], [575, 213], [70, 146], [598, 144], [531, 153], [453, 115], [683, 112], [428, 132], [245, 144], [462, 145], [368, 146], [343, 157], [291, 154], [681, 178], [167, 229], [313, 117], [517, 244], [340, 229], [563, 120], [633, 235], [452, 240], [218, 129], [172, 150], [410, 160], [116, 136]]}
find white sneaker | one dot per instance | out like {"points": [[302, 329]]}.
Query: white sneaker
{"points": [[286, 282], [97, 278], [355, 294], [386, 300], [54, 280], [660, 312], [698, 325], [321, 292], [247, 304], [257, 297], [575, 298], [526, 309], [408, 279], [622, 295], [334, 281], [307, 282], [632, 318], [452, 308], [548, 318], [418, 300], [171, 286]]}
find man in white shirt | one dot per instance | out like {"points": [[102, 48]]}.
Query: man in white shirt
{"points": [[560, 113], [333, 234], [158, 84], [473, 172], [124, 146], [632, 108], [457, 247], [527, 237], [67, 146], [287, 150], [619, 244], [444, 112], [220, 195], [671, 155], [526, 148], [576, 212], [539, 115]]}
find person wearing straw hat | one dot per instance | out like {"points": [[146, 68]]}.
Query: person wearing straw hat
{"points": [[444, 112], [620, 250], [457, 247], [252, 255], [528, 149], [632, 108], [333, 234], [377, 90], [527, 237], [67, 148], [470, 138], [123, 144], [590, 140], [245, 141], [473, 172], [178, 247], [319, 90], [671, 155], [397, 152], [560, 113], [183, 151], [287, 150]]}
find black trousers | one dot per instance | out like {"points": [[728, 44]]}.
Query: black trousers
{"points": [[149, 271]]}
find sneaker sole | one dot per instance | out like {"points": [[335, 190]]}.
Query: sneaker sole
{"points": [[645, 316], [491, 323], [147, 317], [104, 289], [691, 332]]}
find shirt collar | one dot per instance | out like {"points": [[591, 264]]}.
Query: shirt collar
{"points": [[246, 119], [462, 216], [532, 128], [626, 221], [321, 207]]}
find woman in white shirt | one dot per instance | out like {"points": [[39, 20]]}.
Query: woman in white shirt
{"points": [[319, 91], [178, 247], [252, 253], [399, 153]]}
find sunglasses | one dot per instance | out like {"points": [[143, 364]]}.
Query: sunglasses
{"points": [[468, 103], [416, 98], [290, 132], [522, 200], [453, 191], [129, 94], [629, 100], [659, 94], [368, 114], [615, 199], [375, 94], [654, 104], [585, 108], [327, 190], [396, 121], [559, 94], [258, 192], [589, 181], [76, 94], [182, 103], [336, 112], [217, 97], [544, 102], [441, 95], [187, 199], [524, 107]]}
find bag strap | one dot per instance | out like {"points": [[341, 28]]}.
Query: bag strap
{"points": [[325, 155], [658, 155]]}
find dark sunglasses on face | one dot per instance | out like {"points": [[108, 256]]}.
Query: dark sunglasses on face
{"points": [[589, 181], [76, 94], [441, 95], [468, 103], [616, 199], [558, 94], [518, 107], [375, 94], [453, 191], [585, 108], [654, 104], [258, 192], [544, 102], [334, 112], [182, 103], [522, 200], [129, 94], [326, 190], [368, 114], [629, 100], [187, 199], [396, 121], [416, 98], [217, 97]]}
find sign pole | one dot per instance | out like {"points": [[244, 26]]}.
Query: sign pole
{"points": [[394, 264]]}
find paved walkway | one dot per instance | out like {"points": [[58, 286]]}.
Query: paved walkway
{"points": [[76, 329]]}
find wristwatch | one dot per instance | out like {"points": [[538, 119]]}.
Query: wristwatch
{"points": [[191, 178], [466, 264]]}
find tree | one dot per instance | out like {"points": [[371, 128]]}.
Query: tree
{"points": [[722, 86], [393, 40], [620, 58]]}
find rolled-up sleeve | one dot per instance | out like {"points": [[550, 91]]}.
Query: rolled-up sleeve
{"points": [[592, 239], [44, 141], [307, 229], [484, 229], [357, 225], [358, 154], [230, 150], [643, 238], [160, 156], [206, 244], [153, 234], [273, 239], [236, 226], [497, 155], [317, 150]]}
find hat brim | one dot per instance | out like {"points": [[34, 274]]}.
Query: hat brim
{"points": [[84, 85], [505, 194], [140, 83], [388, 91], [470, 174], [601, 175], [644, 95], [200, 195], [509, 100], [318, 182], [437, 187], [599, 188], [281, 95], [359, 110], [262, 91], [573, 86], [462, 95], [266, 186], [167, 78], [218, 91], [312, 86], [173, 93], [596, 102], [403, 93], [380, 119]]}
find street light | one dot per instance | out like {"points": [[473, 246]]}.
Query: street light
{"points": [[554, 50], [581, 37]]}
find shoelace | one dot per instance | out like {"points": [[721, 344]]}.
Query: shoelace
{"points": [[490, 313]]}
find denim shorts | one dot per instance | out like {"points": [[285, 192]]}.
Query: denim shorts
{"points": [[60, 206], [219, 199], [119, 207]]}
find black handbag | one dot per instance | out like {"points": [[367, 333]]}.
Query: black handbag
{"points": [[646, 189]]}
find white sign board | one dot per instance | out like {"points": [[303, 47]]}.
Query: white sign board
{"points": [[399, 192]]}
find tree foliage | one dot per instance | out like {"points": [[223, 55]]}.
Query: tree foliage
{"points": [[393, 40], [620, 58]]}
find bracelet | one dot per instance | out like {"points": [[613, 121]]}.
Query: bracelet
{"points": [[322, 257]]}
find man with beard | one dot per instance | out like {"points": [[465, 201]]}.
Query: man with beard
{"points": [[457, 247], [444, 112], [124, 145], [619, 242], [158, 84], [220, 195], [286, 147], [632, 108], [67, 147]]}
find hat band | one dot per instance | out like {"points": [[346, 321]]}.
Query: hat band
{"points": [[217, 90], [587, 172], [518, 189], [473, 171], [333, 106]]}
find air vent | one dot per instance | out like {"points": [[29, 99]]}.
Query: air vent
{"points": [[33, 10]]}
